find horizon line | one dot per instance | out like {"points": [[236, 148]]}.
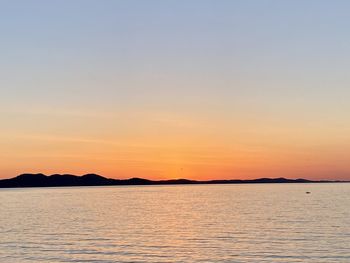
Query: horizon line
{"points": [[175, 179]]}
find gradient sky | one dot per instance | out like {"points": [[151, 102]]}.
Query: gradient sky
{"points": [[175, 89]]}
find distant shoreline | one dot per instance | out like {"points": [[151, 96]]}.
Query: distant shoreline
{"points": [[66, 180]]}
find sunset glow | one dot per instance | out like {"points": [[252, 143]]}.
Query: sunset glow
{"points": [[176, 91]]}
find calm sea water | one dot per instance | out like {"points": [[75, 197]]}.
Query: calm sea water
{"points": [[184, 223]]}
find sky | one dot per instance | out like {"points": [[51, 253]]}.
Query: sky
{"points": [[169, 89]]}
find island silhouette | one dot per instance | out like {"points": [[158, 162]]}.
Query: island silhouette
{"points": [[57, 180]]}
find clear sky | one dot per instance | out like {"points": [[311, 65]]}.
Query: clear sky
{"points": [[175, 89]]}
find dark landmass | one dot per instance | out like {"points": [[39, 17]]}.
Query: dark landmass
{"points": [[56, 180]]}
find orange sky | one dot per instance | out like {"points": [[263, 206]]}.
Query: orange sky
{"points": [[162, 146]]}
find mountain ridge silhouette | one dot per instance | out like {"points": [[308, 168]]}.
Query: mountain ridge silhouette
{"points": [[61, 180]]}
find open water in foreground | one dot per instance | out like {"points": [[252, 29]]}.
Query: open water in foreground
{"points": [[182, 223]]}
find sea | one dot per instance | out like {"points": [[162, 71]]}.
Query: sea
{"points": [[177, 223]]}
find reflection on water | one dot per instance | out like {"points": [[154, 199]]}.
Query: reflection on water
{"points": [[199, 223]]}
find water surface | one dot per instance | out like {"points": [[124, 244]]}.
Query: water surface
{"points": [[182, 223]]}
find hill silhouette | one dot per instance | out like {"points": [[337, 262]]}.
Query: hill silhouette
{"points": [[55, 180]]}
